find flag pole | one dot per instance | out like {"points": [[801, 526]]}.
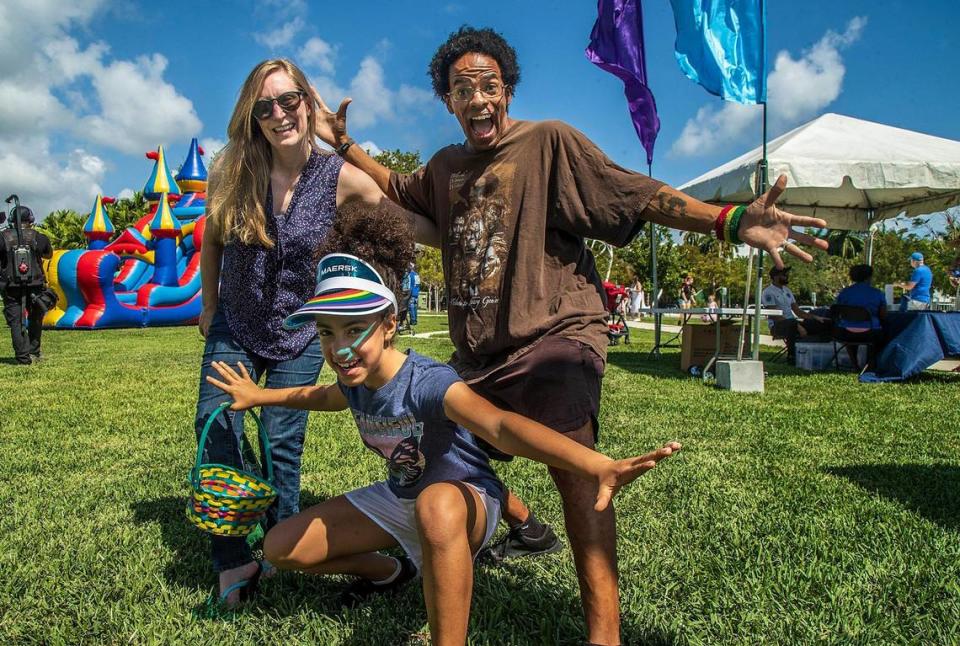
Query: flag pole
{"points": [[654, 302], [764, 185]]}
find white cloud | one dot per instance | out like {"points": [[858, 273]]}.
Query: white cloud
{"points": [[55, 91], [373, 100], [712, 128], [211, 146], [372, 149], [797, 89], [282, 36], [139, 110], [125, 193], [47, 182], [26, 24], [317, 53]]}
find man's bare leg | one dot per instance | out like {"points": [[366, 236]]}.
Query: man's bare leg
{"points": [[593, 539]]}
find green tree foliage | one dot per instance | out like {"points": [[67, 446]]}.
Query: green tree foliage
{"points": [[430, 266], [849, 245], [128, 210], [429, 263], [893, 246], [399, 161], [636, 262], [65, 229]]}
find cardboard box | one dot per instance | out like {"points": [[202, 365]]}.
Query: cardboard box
{"points": [[698, 343]]}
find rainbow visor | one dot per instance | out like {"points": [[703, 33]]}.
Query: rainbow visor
{"points": [[346, 286]]}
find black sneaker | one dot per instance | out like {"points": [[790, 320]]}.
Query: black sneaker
{"points": [[361, 589], [514, 544]]}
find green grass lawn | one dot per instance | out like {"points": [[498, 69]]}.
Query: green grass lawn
{"points": [[822, 511]]}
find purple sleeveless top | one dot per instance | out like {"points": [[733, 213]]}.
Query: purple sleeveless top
{"points": [[260, 287]]}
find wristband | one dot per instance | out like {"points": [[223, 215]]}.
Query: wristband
{"points": [[345, 146], [733, 225], [719, 223]]}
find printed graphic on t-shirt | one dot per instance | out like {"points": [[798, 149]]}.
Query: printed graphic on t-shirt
{"points": [[478, 208], [397, 440]]}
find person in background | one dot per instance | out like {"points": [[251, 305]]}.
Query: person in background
{"points": [[955, 282], [412, 285], [862, 294], [917, 296], [686, 295], [22, 283], [637, 300], [794, 323], [712, 307]]}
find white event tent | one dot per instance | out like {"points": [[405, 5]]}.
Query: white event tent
{"points": [[847, 171]]}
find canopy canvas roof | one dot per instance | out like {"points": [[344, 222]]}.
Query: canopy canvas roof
{"points": [[847, 171]]}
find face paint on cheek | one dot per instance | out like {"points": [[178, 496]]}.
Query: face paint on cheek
{"points": [[349, 353]]}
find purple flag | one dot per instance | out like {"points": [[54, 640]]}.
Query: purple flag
{"points": [[616, 45]]}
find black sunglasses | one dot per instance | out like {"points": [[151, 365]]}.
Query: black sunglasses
{"points": [[288, 102]]}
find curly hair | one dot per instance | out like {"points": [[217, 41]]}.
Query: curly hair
{"points": [[380, 235], [468, 40]]}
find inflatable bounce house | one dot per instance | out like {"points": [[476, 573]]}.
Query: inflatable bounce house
{"points": [[149, 274]]}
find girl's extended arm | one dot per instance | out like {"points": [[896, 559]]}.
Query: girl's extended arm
{"points": [[246, 394], [518, 435]]}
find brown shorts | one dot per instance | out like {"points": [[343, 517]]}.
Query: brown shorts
{"points": [[557, 383]]}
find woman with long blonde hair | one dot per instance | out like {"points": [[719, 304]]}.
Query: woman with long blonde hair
{"points": [[272, 197]]}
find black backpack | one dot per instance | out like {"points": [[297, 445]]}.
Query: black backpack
{"points": [[22, 267]]}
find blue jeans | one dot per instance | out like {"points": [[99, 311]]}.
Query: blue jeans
{"points": [[285, 428], [412, 309]]}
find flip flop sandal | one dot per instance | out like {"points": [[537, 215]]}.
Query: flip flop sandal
{"points": [[216, 606]]}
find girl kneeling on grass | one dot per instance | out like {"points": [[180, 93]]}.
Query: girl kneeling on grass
{"points": [[441, 500]]}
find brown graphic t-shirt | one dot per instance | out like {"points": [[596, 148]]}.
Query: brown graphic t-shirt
{"points": [[513, 222]]}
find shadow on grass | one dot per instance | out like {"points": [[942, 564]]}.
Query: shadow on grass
{"points": [[190, 565], [637, 359], [927, 489], [11, 361], [510, 603], [640, 361]]}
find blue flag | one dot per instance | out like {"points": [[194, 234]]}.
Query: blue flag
{"points": [[616, 45], [721, 45]]}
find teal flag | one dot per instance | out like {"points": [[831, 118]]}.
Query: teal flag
{"points": [[721, 45]]}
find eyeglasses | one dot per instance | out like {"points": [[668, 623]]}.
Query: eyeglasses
{"points": [[288, 102], [490, 90]]}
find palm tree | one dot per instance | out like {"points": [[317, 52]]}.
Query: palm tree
{"points": [[846, 244], [64, 227]]}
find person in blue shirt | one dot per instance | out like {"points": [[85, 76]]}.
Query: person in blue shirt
{"points": [[862, 294], [412, 283], [917, 296], [440, 500]]}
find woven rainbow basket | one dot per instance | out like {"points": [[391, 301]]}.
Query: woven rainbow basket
{"points": [[224, 500]]}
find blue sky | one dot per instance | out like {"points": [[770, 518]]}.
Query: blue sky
{"points": [[86, 89]]}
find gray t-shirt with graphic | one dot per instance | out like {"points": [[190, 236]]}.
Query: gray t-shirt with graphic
{"points": [[404, 423]]}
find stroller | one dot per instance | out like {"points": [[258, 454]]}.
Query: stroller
{"points": [[617, 327]]}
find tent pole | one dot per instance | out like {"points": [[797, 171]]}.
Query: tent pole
{"points": [[764, 184], [870, 231], [654, 301]]}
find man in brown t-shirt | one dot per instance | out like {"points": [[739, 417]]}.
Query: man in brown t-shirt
{"points": [[513, 204]]}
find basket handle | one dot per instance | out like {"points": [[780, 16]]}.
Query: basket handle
{"points": [[264, 439]]}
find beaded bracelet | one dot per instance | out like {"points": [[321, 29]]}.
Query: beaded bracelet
{"points": [[733, 225], [718, 224]]}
